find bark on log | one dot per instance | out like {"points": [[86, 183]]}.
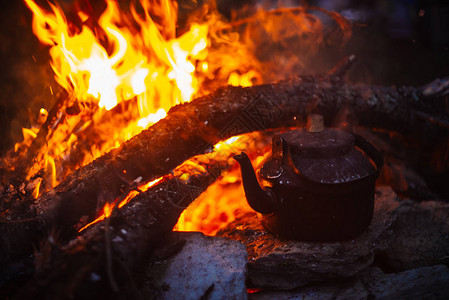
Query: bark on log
{"points": [[190, 129], [103, 263]]}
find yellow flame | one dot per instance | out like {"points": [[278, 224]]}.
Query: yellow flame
{"points": [[227, 142], [152, 118], [28, 136], [138, 55], [35, 192], [125, 55], [156, 66], [246, 79]]}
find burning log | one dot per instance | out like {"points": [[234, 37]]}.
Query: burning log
{"points": [[99, 264], [65, 118], [190, 129], [18, 236], [27, 163]]}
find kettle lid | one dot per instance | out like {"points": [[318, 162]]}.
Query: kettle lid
{"points": [[329, 142], [326, 155]]}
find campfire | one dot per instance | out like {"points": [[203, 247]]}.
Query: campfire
{"points": [[151, 101]]}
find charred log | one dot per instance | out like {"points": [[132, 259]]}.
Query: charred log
{"points": [[99, 264], [56, 124], [22, 166], [190, 129], [98, 132]]}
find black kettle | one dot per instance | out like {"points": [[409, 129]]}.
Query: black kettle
{"points": [[318, 185]]}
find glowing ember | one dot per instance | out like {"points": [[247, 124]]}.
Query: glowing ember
{"points": [[106, 213], [108, 207], [219, 205], [142, 188], [225, 199]]}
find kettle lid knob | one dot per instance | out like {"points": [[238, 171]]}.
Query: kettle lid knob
{"points": [[315, 123]]}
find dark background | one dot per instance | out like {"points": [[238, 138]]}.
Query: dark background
{"points": [[402, 42]]}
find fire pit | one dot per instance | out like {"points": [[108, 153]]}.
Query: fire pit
{"points": [[136, 135]]}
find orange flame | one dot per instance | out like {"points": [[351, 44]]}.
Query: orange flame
{"points": [[124, 56], [106, 213], [137, 55], [225, 199], [147, 63]]}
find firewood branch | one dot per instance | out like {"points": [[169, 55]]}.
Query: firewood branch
{"points": [[191, 128], [132, 233]]}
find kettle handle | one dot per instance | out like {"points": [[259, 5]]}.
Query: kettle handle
{"points": [[370, 150]]}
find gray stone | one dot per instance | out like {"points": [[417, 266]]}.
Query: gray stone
{"points": [[209, 267], [421, 236], [421, 283], [276, 263], [350, 289]]}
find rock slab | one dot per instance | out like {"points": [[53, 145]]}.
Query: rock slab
{"points": [[279, 264], [421, 236], [421, 283], [204, 268]]}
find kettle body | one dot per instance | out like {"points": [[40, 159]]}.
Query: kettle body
{"points": [[316, 186]]}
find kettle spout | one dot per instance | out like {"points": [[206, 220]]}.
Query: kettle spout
{"points": [[260, 200]]}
